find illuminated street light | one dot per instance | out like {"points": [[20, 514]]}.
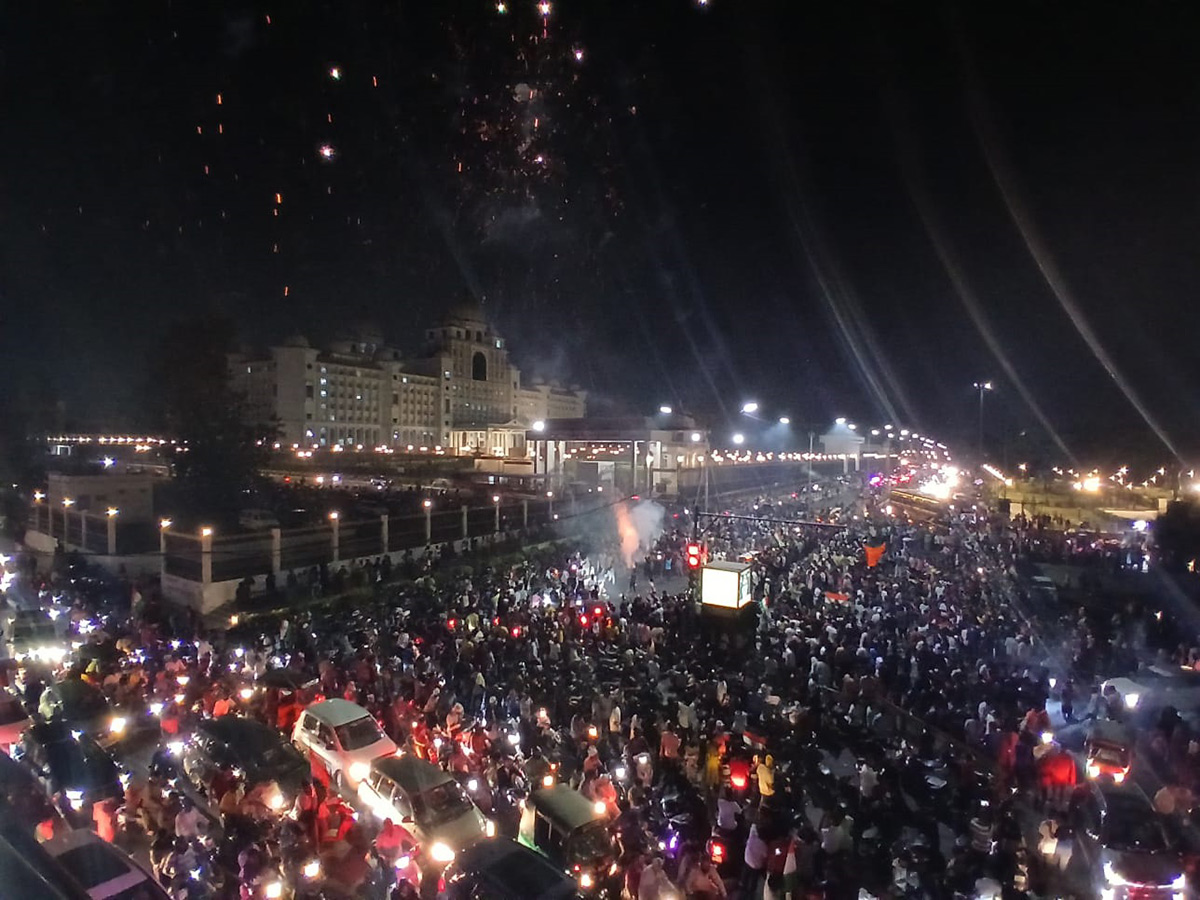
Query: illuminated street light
{"points": [[665, 410], [67, 501], [739, 439], [695, 437], [206, 531], [750, 408], [784, 420], [428, 504], [333, 516], [840, 420], [983, 387], [164, 524], [539, 425], [111, 511]]}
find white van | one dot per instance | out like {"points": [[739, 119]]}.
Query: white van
{"points": [[258, 519], [345, 737]]}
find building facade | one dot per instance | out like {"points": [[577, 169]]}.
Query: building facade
{"points": [[463, 393]]}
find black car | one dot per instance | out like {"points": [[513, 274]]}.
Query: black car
{"points": [[505, 870], [83, 707], [246, 745], [1126, 846], [74, 770]]}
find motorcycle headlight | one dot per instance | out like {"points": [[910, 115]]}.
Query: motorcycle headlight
{"points": [[359, 771], [620, 772], [586, 880], [473, 784], [75, 798], [441, 852], [1179, 883], [275, 800], [117, 725], [312, 868], [404, 862], [548, 781], [598, 807], [1112, 876], [1047, 737], [1093, 770], [490, 828], [274, 890], [175, 747], [514, 739]]}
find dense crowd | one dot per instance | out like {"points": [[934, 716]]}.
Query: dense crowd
{"points": [[873, 728]]}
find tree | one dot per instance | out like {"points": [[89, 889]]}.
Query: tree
{"points": [[220, 451]]}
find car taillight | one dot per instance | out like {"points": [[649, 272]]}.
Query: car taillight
{"points": [[738, 781]]}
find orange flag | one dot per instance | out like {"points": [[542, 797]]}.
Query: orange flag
{"points": [[874, 554]]}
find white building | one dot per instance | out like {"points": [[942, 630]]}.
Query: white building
{"points": [[463, 393]]}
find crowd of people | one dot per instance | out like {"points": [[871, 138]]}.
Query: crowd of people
{"points": [[877, 726]]}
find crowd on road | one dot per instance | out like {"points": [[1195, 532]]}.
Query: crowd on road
{"points": [[880, 725]]}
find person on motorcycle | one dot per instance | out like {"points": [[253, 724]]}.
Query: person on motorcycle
{"points": [[703, 882]]}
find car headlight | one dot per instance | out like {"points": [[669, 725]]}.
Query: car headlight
{"points": [[117, 725], [473, 784], [598, 807], [440, 852], [1179, 883], [489, 828], [1118, 777], [359, 771], [1131, 700], [548, 781], [274, 890], [585, 880], [175, 748], [1112, 876], [275, 800], [1093, 770], [404, 862], [312, 868]]}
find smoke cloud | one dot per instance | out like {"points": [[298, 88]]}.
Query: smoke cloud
{"points": [[639, 525]]}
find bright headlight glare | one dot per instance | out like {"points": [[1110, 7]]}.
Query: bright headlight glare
{"points": [[490, 828], [585, 880], [441, 852], [1111, 875], [117, 725], [1131, 700], [1179, 883], [312, 868], [274, 890], [359, 770]]}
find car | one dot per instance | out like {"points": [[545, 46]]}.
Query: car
{"points": [[1158, 686], [84, 708], [427, 801], [344, 737], [505, 870], [73, 769], [1125, 846], [1042, 588], [258, 519], [104, 871], [246, 744], [13, 719], [32, 634], [1108, 747]]}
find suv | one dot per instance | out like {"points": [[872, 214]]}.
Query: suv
{"points": [[428, 802], [1125, 846], [505, 870], [84, 708], [246, 744], [101, 869], [344, 737], [72, 768]]}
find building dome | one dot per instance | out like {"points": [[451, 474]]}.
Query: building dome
{"points": [[296, 340], [469, 310]]}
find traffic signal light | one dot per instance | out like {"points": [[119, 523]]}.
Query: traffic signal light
{"points": [[695, 555]]}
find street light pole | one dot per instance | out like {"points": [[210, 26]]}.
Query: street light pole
{"points": [[982, 387]]}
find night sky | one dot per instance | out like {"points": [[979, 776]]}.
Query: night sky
{"points": [[834, 209]]}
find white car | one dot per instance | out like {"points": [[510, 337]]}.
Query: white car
{"points": [[1158, 686], [104, 871], [345, 737]]}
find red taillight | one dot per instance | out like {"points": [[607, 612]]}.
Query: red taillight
{"points": [[738, 781], [451, 624], [583, 620], [596, 612], [717, 852], [516, 632]]}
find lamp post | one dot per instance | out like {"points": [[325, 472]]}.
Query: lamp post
{"points": [[496, 504], [983, 387]]}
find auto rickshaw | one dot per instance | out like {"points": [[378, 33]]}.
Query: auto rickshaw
{"points": [[572, 832], [1109, 750]]}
